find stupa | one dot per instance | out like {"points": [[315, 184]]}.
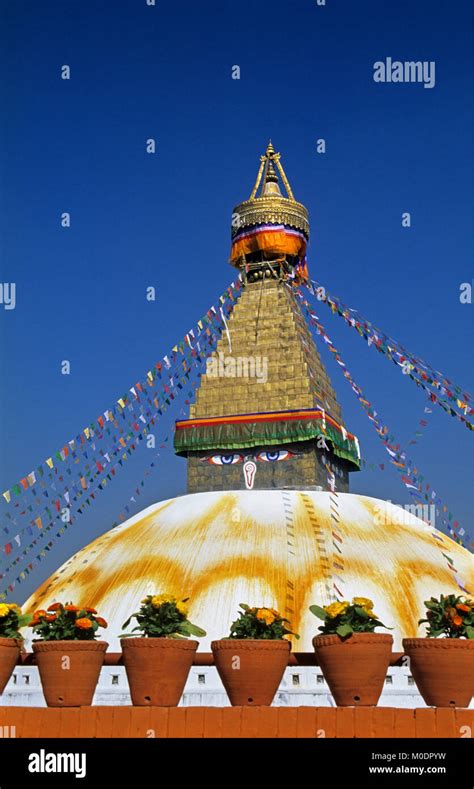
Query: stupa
{"points": [[266, 415], [268, 518]]}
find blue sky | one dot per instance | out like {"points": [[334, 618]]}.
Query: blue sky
{"points": [[164, 219]]}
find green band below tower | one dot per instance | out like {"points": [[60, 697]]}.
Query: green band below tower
{"points": [[245, 431]]}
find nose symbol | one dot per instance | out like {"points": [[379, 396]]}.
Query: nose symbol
{"points": [[249, 473]]}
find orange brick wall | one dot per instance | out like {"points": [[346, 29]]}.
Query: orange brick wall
{"points": [[106, 722]]}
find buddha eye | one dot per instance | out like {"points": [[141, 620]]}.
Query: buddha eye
{"points": [[273, 456], [224, 460]]}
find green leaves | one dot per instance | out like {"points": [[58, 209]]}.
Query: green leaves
{"points": [[344, 618], [344, 630], [66, 623], [162, 616], [451, 616], [318, 611], [262, 623], [12, 621], [192, 630]]}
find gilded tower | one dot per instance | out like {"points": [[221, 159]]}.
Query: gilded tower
{"points": [[266, 414]]}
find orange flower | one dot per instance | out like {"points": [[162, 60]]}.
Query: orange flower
{"points": [[40, 612], [71, 608], [84, 623], [34, 622], [101, 621], [463, 607], [50, 617], [90, 610], [457, 621], [265, 615], [54, 606]]}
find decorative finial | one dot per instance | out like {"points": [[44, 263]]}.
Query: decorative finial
{"points": [[271, 175], [270, 149], [268, 178]]}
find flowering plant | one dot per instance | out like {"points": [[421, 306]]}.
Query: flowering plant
{"points": [[67, 622], [344, 619], [163, 616], [11, 619], [260, 623], [451, 616]]}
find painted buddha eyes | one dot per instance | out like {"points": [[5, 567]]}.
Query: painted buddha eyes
{"points": [[266, 455], [273, 456], [225, 460]]}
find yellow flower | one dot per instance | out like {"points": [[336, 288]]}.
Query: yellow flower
{"points": [[336, 609], [158, 599], [182, 608], [370, 613], [363, 601], [4, 609], [14, 607], [265, 615]]}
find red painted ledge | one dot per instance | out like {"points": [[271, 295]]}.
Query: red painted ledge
{"points": [[235, 722]]}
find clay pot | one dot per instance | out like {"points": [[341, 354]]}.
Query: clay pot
{"points": [[157, 669], [69, 670], [443, 669], [354, 668], [251, 669], [9, 654]]}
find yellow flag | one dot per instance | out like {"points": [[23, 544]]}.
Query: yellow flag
{"points": [[49, 462]]}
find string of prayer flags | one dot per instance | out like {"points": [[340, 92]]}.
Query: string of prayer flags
{"points": [[433, 382], [398, 459], [104, 469], [212, 318]]}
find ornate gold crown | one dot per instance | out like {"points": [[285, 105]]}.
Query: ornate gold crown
{"points": [[270, 206]]}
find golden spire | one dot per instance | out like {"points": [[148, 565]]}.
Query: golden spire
{"points": [[268, 177], [266, 203]]}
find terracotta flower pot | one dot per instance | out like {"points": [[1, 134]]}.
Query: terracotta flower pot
{"points": [[443, 669], [69, 670], [157, 669], [9, 654], [354, 668], [251, 669]]}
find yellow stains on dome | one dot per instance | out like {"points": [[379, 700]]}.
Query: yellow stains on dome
{"points": [[272, 548]]}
